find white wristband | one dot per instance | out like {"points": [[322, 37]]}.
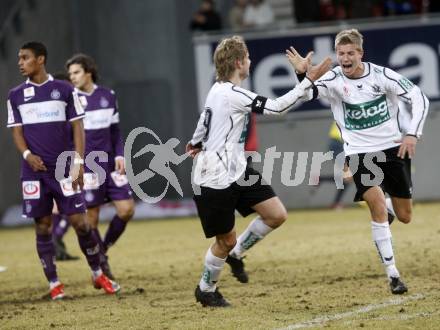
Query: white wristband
{"points": [[26, 153], [78, 161]]}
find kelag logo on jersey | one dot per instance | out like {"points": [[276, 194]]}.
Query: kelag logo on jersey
{"points": [[366, 115]]}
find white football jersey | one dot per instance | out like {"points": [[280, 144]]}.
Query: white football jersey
{"points": [[367, 111], [221, 130]]}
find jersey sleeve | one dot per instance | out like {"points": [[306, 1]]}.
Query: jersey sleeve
{"points": [[243, 100], [411, 94], [202, 128], [74, 109], [14, 116], [115, 131], [323, 85]]}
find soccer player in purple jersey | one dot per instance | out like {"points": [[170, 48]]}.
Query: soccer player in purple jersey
{"points": [[39, 111], [60, 223], [101, 125]]}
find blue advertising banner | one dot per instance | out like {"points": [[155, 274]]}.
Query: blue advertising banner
{"points": [[410, 49]]}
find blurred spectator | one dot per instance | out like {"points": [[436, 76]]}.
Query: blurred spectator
{"points": [[206, 18], [306, 11], [345, 9], [327, 11], [398, 7], [236, 14], [258, 14], [434, 6]]}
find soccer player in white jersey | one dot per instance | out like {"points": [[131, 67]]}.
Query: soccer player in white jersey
{"points": [[364, 98], [221, 171]]}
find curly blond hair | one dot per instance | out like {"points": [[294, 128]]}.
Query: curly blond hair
{"points": [[351, 36], [228, 51]]}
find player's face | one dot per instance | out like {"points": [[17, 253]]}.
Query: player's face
{"points": [[28, 63], [350, 59], [78, 76], [245, 65]]}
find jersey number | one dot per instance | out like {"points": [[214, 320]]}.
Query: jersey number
{"points": [[207, 123]]}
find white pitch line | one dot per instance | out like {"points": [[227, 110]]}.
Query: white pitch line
{"points": [[325, 318]]}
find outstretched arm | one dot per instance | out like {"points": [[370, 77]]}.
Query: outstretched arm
{"points": [[282, 104]]}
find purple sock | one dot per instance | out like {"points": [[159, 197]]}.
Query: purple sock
{"points": [[60, 225], [90, 247], [98, 238], [114, 231], [46, 253]]}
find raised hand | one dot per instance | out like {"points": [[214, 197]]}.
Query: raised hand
{"points": [[299, 63], [316, 71]]}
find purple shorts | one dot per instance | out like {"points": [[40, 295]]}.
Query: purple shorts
{"points": [[40, 191], [114, 188]]}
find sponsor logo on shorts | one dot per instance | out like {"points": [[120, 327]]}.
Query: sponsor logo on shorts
{"points": [[366, 115], [31, 189]]}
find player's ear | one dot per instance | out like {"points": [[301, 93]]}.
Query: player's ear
{"points": [[41, 59]]}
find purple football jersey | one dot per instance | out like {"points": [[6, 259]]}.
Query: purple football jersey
{"points": [[101, 122], [44, 110]]}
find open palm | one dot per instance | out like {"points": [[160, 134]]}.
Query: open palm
{"points": [[299, 63]]}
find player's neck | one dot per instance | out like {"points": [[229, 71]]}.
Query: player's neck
{"points": [[359, 71], [235, 78], [39, 77], [88, 87]]}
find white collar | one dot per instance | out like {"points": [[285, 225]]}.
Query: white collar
{"points": [[88, 94], [49, 78]]}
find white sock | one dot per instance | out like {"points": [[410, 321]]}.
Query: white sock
{"points": [[54, 284], [96, 273], [211, 272], [382, 238], [390, 208], [254, 233]]}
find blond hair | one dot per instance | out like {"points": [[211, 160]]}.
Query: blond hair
{"points": [[351, 36], [226, 54]]}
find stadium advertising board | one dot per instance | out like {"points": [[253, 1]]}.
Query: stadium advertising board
{"points": [[410, 49]]}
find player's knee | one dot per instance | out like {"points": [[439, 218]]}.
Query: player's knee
{"points": [[227, 243], [404, 216], [126, 213], [277, 218], [82, 227], [43, 228]]}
